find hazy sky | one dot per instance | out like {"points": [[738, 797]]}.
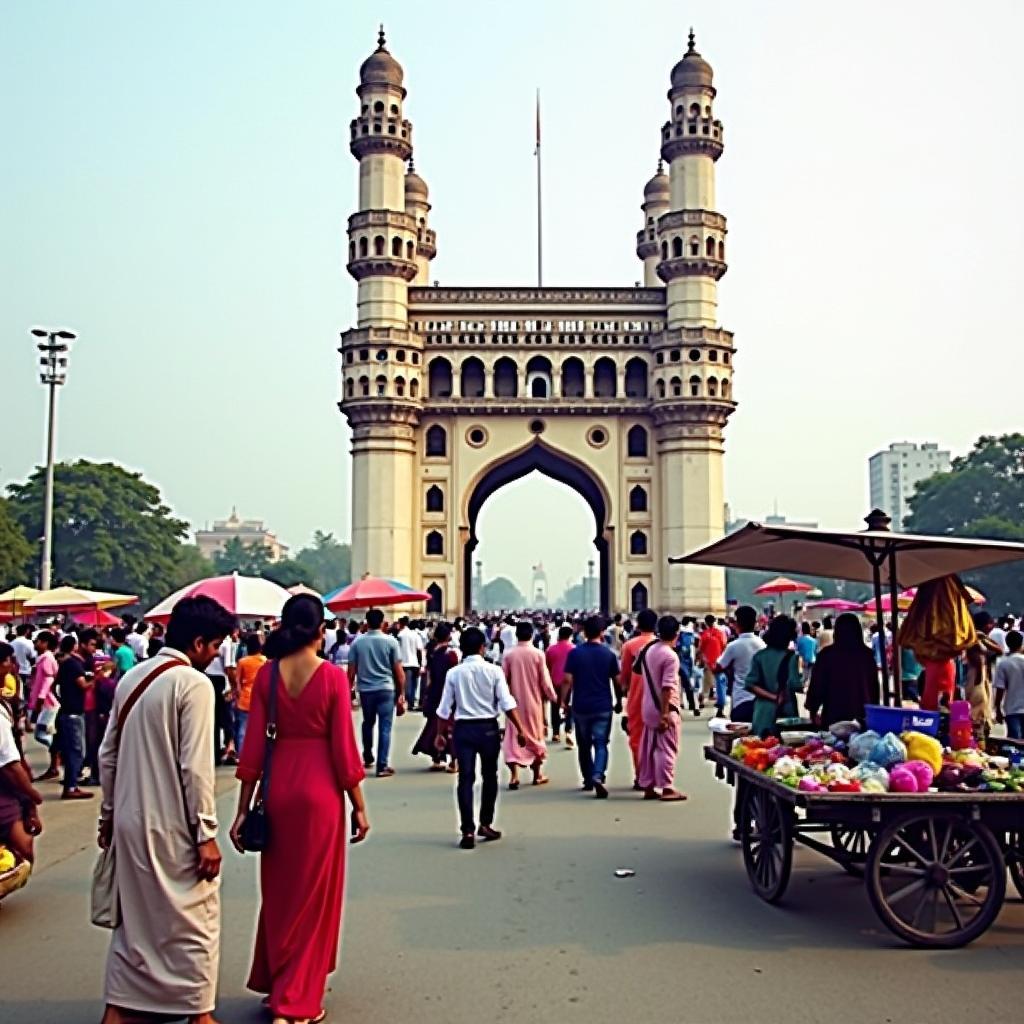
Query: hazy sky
{"points": [[176, 183]]}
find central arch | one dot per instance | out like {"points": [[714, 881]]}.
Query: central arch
{"points": [[551, 463]]}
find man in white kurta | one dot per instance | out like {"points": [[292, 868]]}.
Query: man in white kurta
{"points": [[164, 954]]}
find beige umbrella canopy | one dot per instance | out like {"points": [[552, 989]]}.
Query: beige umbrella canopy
{"points": [[12, 601], [71, 599]]}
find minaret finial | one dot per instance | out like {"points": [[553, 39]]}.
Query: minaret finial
{"points": [[412, 165], [691, 49], [661, 166], [381, 40]]}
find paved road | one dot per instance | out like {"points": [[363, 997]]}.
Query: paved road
{"points": [[537, 926]]}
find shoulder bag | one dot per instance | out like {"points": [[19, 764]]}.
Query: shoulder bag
{"points": [[255, 830], [105, 906], [656, 697]]}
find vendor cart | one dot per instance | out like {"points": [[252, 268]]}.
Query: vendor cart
{"points": [[934, 864]]}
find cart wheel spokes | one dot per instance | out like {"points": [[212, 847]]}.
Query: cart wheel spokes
{"points": [[766, 831], [936, 880], [853, 845]]}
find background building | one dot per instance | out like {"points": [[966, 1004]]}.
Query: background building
{"points": [[771, 519], [248, 531], [895, 473]]}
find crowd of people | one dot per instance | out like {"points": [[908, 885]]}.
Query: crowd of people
{"points": [[286, 695]]}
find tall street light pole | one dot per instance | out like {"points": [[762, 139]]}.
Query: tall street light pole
{"points": [[53, 370]]}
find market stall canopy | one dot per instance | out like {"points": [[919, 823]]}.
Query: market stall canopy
{"points": [[373, 592], [70, 599], [783, 585], [247, 597], [852, 556], [12, 601]]}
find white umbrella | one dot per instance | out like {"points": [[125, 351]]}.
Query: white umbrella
{"points": [[246, 597]]}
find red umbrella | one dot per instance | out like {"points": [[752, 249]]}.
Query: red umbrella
{"points": [[95, 617], [373, 592], [783, 585]]}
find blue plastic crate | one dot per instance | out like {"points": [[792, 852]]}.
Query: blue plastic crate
{"points": [[897, 720]]}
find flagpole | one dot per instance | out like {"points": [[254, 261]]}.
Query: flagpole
{"points": [[540, 235]]}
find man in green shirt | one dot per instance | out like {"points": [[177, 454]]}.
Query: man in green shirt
{"points": [[124, 656]]}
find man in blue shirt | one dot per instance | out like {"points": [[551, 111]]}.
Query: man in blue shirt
{"points": [[375, 669], [807, 649], [591, 673]]}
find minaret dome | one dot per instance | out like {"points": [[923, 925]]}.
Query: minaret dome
{"points": [[693, 71], [659, 186], [380, 68]]}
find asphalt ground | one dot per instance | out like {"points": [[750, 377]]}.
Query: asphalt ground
{"points": [[537, 926]]}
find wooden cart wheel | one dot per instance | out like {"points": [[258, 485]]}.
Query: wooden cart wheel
{"points": [[854, 843], [1015, 859], [766, 831], [936, 880]]}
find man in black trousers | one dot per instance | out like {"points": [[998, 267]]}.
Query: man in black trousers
{"points": [[475, 694]]}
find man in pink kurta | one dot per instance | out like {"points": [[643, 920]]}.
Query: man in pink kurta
{"points": [[657, 667], [530, 684]]}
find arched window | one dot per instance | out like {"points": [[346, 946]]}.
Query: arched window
{"points": [[694, 245], [709, 247], [721, 251], [437, 441], [605, 385], [572, 378], [638, 598], [382, 386], [636, 378], [440, 378], [661, 388], [677, 247], [396, 246], [636, 442], [726, 388], [378, 107], [638, 543], [694, 110], [435, 543], [713, 387], [506, 378], [400, 387], [435, 606], [350, 387], [471, 378], [364, 247], [378, 245], [351, 251], [410, 250], [394, 109], [435, 499], [364, 386], [694, 387], [679, 110], [538, 377], [637, 499], [414, 388], [677, 387], [664, 250]]}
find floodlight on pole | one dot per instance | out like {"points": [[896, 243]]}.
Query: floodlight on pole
{"points": [[53, 371]]}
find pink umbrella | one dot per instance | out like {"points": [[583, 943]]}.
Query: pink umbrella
{"points": [[906, 598], [782, 585], [835, 604], [247, 597], [373, 592], [95, 617]]}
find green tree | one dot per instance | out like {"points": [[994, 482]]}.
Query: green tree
{"points": [[15, 550], [246, 559], [329, 562], [111, 529], [290, 571], [982, 495], [501, 593], [191, 565]]}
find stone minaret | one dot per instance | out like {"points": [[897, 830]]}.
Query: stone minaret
{"points": [[693, 358], [657, 200], [383, 372]]}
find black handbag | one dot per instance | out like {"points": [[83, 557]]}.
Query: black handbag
{"points": [[255, 830]]}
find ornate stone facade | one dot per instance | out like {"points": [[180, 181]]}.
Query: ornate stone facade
{"points": [[622, 393]]}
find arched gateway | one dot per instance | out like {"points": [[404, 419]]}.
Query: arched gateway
{"points": [[621, 393]]}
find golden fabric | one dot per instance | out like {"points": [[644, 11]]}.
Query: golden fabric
{"points": [[939, 624]]}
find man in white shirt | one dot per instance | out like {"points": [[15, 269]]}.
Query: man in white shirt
{"points": [[222, 674], [411, 646], [475, 694], [1009, 687], [735, 662], [24, 656], [507, 636], [138, 641]]}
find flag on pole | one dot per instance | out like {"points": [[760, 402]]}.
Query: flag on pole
{"points": [[536, 148]]}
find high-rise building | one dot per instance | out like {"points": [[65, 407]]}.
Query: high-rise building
{"points": [[895, 473]]}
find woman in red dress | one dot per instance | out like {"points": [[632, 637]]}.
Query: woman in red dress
{"points": [[315, 763]]}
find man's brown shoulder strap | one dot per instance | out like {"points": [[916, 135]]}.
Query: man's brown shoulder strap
{"points": [[133, 698]]}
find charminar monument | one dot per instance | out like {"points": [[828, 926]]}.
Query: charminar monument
{"points": [[621, 393]]}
